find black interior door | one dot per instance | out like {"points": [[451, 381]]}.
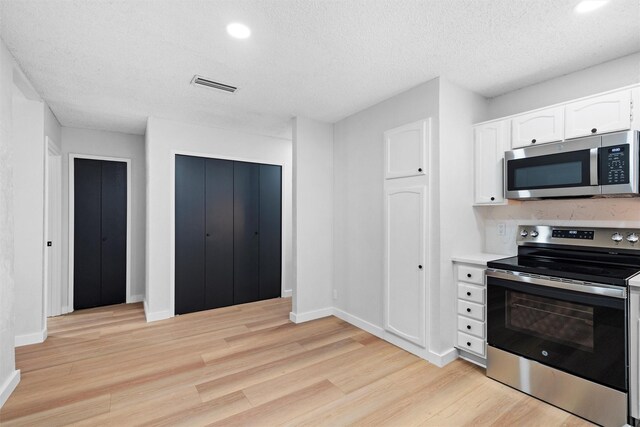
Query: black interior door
{"points": [[270, 231], [114, 233], [100, 233], [87, 238], [219, 233], [246, 239], [190, 234]]}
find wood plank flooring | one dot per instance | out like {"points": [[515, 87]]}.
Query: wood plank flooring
{"points": [[248, 365]]}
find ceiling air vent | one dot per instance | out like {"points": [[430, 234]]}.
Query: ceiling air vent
{"points": [[201, 81]]}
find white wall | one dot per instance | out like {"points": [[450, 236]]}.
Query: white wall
{"points": [[8, 374], [358, 198], [580, 212], [108, 144], [312, 218], [460, 227], [28, 180], [163, 138], [599, 78]]}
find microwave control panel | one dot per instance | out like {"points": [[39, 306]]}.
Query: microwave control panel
{"points": [[614, 165]]}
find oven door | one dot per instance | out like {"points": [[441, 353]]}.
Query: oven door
{"points": [[562, 169], [580, 333]]}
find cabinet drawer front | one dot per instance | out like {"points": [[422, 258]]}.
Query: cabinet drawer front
{"points": [[601, 114], [472, 344], [471, 293], [471, 309], [471, 274], [538, 127], [470, 326]]}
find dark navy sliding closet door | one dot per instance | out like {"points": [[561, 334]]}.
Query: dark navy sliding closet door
{"points": [[100, 233], [219, 237], [270, 231], [246, 230], [190, 234], [228, 233]]}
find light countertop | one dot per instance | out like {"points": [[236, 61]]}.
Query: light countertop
{"points": [[479, 258]]}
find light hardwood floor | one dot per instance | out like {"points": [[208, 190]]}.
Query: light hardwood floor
{"points": [[248, 365]]}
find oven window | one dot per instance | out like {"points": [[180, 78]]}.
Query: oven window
{"points": [[565, 174], [562, 322]]}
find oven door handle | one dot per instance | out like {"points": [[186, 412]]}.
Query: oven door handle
{"points": [[587, 288]]}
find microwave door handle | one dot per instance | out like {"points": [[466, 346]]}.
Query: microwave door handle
{"points": [[593, 165]]}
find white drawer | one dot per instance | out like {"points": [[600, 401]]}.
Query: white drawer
{"points": [[472, 344], [471, 274], [471, 309], [471, 293], [470, 326]]}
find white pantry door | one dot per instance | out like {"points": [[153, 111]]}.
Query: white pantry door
{"points": [[405, 267], [53, 234]]}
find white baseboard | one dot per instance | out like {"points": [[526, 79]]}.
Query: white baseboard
{"points": [[287, 293], [359, 323], [156, 315], [8, 386], [310, 315], [28, 339], [135, 298], [443, 359], [66, 309]]}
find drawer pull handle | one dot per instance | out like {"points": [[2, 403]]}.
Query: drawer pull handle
{"points": [[468, 310], [468, 294], [469, 327], [469, 275], [419, 169], [594, 130], [533, 141], [468, 344]]}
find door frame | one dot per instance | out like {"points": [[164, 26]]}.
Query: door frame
{"points": [[51, 149], [172, 215], [72, 157]]}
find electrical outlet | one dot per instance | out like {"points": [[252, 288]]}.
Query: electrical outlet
{"points": [[335, 294], [502, 229]]}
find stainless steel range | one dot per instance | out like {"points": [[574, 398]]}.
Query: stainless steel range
{"points": [[558, 319]]}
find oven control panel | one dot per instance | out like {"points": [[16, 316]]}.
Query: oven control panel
{"points": [[614, 165], [577, 236]]}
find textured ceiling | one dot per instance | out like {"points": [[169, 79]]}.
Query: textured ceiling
{"points": [[108, 64]]}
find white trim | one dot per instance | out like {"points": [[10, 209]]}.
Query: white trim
{"points": [[28, 339], [445, 358], [172, 217], [135, 298], [72, 157], [287, 293], [155, 316], [8, 386], [310, 315], [359, 323], [51, 150]]}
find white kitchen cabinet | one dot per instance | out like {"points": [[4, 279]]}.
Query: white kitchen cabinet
{"points": [[491, 140], [405, 150], [599, 114], [538, 127], [404, 263]]}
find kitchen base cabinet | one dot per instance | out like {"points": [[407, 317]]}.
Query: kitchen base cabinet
{"points": [[471, 330]]}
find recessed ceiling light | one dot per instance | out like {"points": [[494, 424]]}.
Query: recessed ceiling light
{"points": [[238, 30], [589, 5]]}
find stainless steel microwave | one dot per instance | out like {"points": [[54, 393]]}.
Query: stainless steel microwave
{"points": [[595, 166]]}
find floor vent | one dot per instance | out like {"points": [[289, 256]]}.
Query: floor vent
{"points": [[201, 81]]}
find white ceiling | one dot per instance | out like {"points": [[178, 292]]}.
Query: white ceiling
{"points": [[108, 64]]}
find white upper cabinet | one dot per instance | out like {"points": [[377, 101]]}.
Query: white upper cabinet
{"points": [[538, 127], [405, 149], [600, 114], [404, 265], [491, 140]]}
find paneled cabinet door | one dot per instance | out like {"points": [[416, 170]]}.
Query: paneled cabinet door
{"points": [[405, 150], [600, 114], [491, 140], [405, 269], [538, 127]]}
